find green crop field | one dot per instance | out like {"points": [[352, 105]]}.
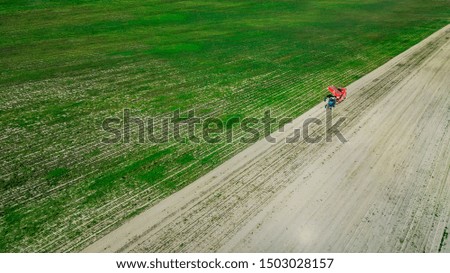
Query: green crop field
{"points": [[66, 66]]}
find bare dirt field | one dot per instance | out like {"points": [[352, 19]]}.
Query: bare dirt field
{"points": [[387, 189]]}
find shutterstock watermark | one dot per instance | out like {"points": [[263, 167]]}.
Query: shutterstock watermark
{"points": [[189, 128]]}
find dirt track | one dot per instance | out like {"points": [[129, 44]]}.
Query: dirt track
{"points": [[385, 190]]}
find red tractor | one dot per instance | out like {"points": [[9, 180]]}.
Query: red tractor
{"points": [[338, 94]]}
